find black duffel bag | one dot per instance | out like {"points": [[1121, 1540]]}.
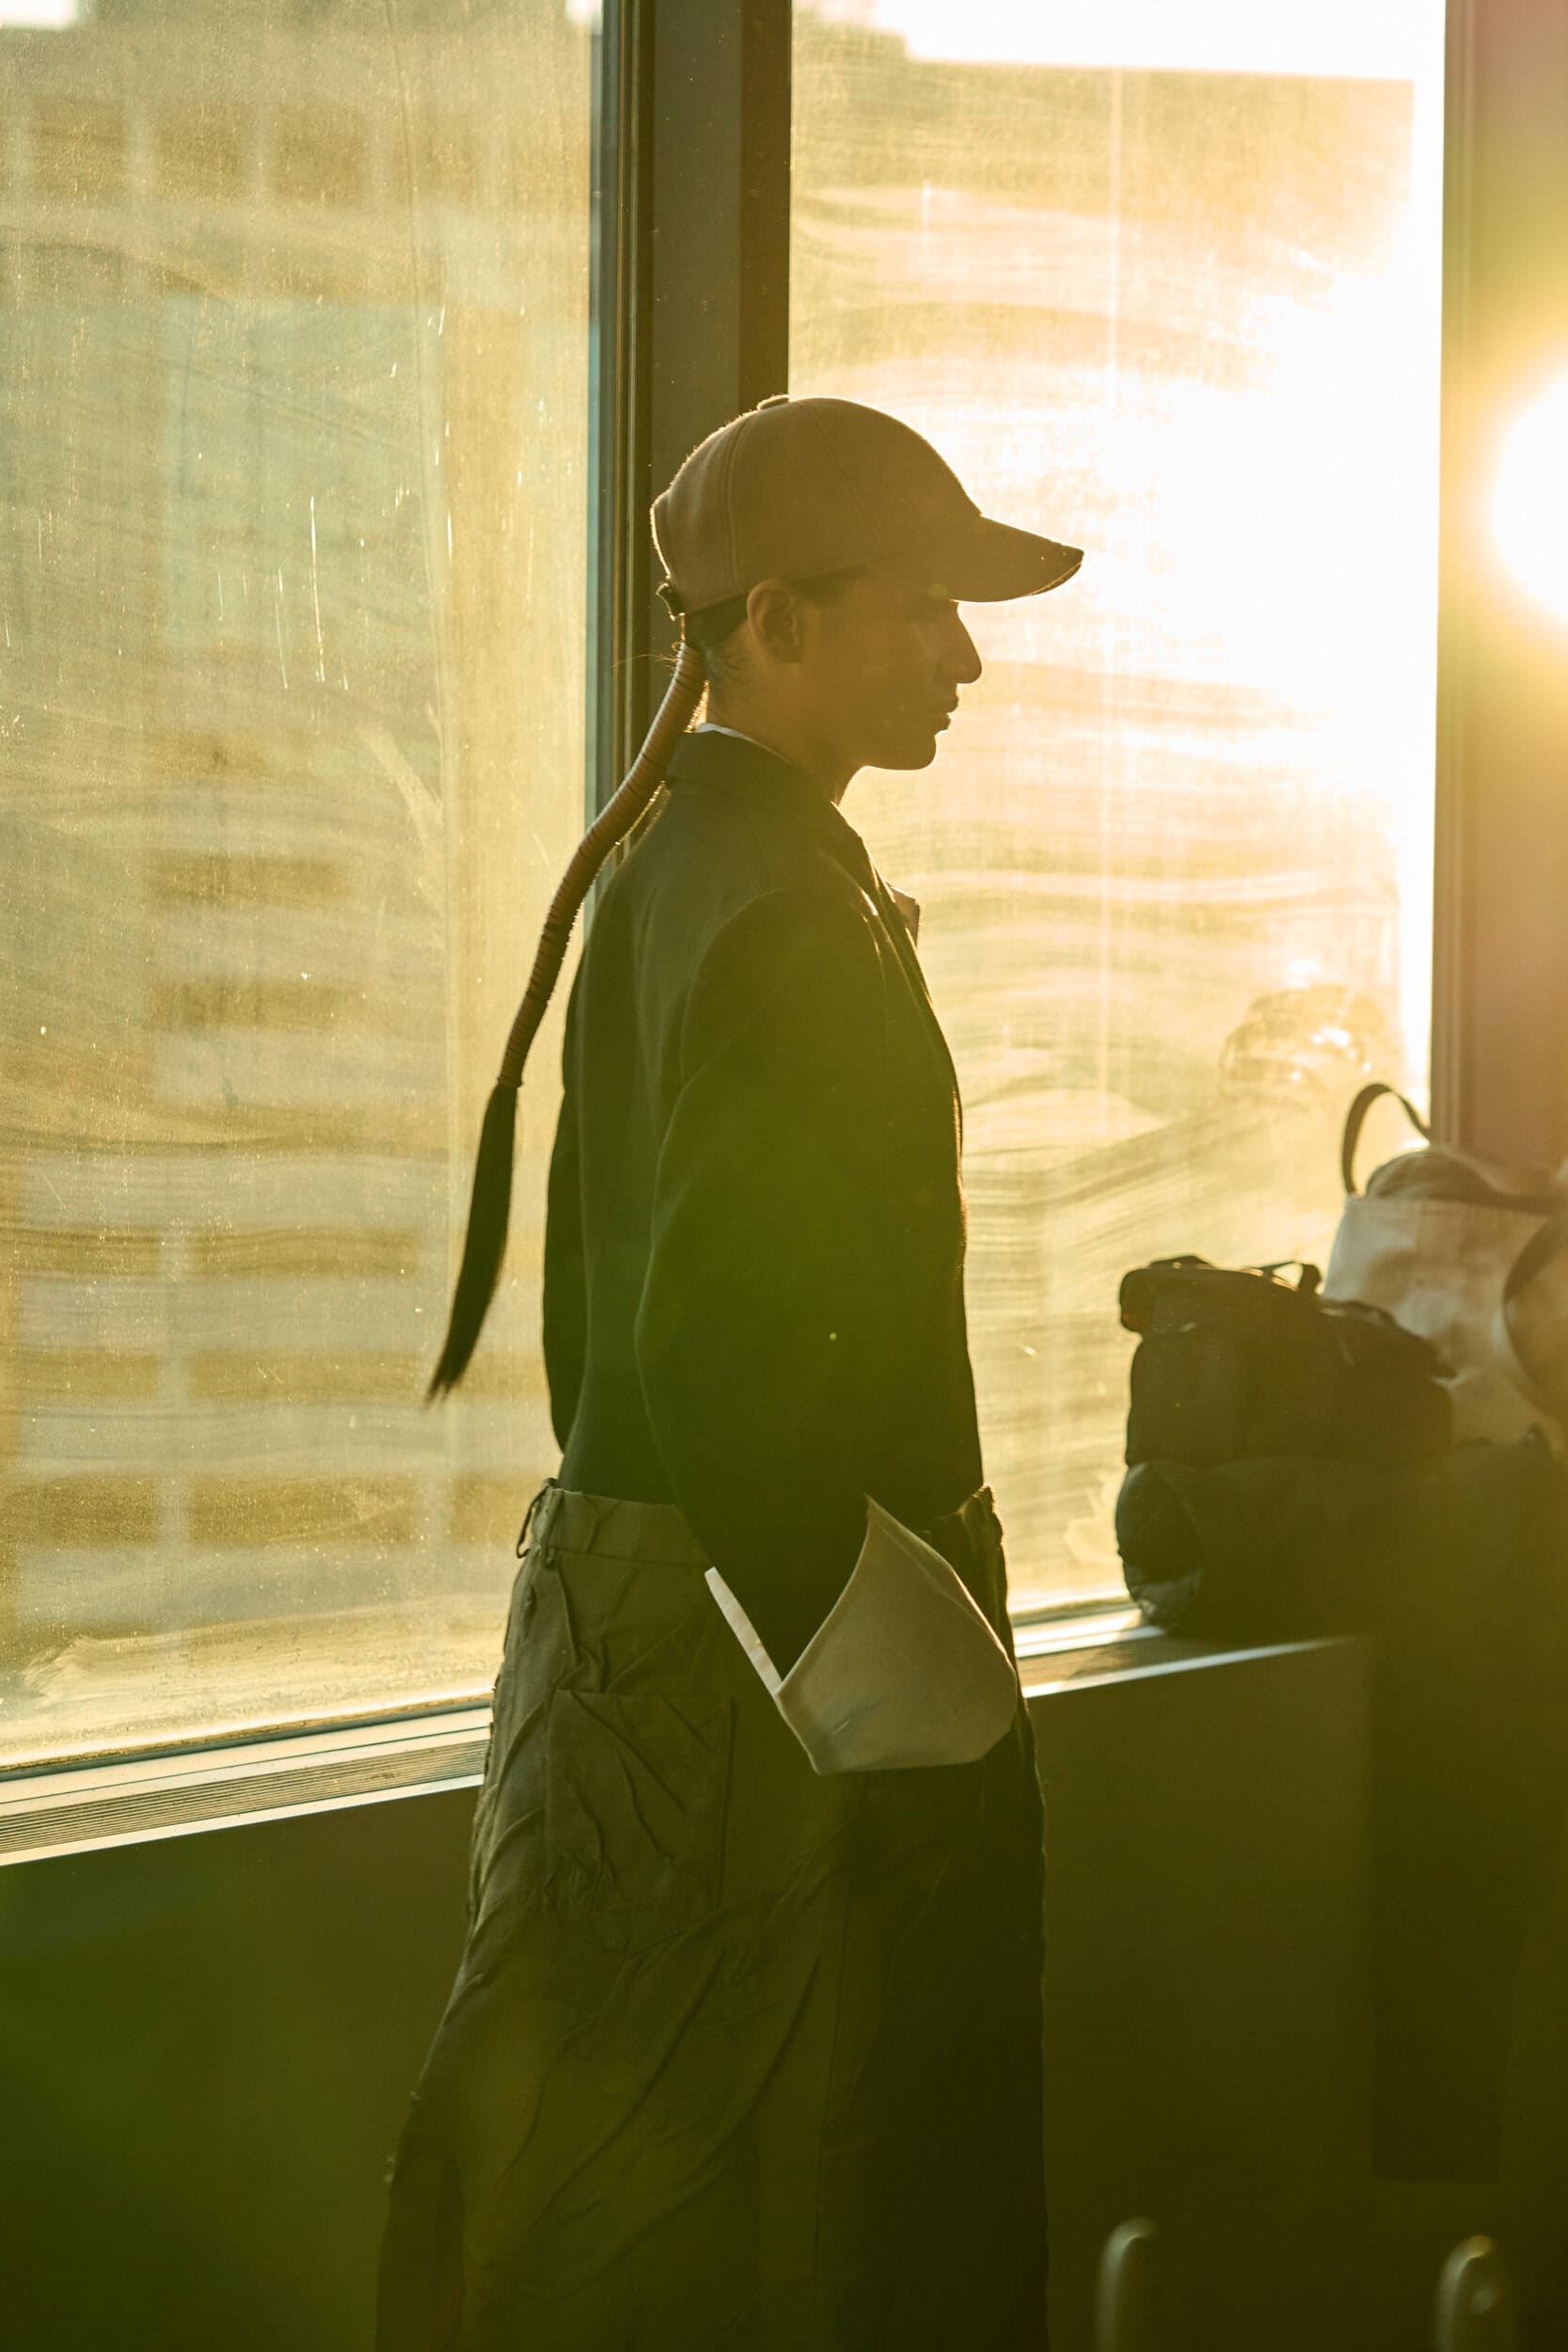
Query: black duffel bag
{"points": [[1234, 1364]]}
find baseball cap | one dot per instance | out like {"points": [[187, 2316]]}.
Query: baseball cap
{"points": [[795, 488]]}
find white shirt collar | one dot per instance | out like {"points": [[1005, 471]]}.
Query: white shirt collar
{"points": [[711, 727]]}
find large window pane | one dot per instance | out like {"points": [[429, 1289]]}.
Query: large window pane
{"points": [[1161, 278], [293, 317]]}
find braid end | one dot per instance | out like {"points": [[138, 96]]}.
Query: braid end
{"points": [[485, 1246]]}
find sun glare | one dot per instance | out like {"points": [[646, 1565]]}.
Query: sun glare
{"points": [[1342, 37], [1529, 500]]}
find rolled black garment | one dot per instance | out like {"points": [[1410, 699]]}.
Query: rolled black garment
{"points": [[1271, 1550]]}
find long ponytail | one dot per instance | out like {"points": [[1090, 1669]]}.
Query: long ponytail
{"points": [[485, 1246]]}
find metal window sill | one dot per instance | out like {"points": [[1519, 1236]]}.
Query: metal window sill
{"points": [[1136, 1652], [76, 1808], [73, 1807]]}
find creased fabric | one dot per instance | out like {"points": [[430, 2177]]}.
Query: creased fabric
{"points": [[737, 2056]]}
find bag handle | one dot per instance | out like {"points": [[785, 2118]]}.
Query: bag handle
{"points": [[1355, 1118], [1310, 1278]]}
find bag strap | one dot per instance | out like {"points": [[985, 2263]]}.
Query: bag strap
{"points": [[1547, 1242], [1355, 1118]]}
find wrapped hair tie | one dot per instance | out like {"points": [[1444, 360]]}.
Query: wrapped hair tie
{"points": [[489, 1209]]}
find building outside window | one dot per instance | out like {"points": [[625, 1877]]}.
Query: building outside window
{"points": [[295, 323]]}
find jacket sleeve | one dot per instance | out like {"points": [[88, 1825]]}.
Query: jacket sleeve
{"points": [[759, 1335]]}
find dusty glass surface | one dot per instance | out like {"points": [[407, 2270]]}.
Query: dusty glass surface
{"points": [[1162, 278], [293, 327]]}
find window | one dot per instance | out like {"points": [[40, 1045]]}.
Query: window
{"points": [[295, 594], [1162, 278], [295, 315]]}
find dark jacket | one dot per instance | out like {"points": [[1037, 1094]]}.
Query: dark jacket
{"points": [[753, 1264]]}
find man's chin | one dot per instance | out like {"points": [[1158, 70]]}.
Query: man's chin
{"points": [[915, 750]]}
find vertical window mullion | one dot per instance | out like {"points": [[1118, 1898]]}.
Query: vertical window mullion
{"points": [[1448, 1026], [1501, 1077], [692, 300]]}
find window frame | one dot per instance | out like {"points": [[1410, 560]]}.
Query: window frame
{"points": [[1500, 942], [695, 138], [689, 303], [689, 314]]}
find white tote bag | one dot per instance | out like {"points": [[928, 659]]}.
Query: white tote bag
{"points": [[1474, 1257]]}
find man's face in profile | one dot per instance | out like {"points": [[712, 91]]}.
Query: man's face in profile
{"points": [[884, 660]]}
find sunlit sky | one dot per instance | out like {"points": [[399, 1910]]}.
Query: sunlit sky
{"points": [[1337, 625], [1375, 38], [1530, 499], [1392, 40]]}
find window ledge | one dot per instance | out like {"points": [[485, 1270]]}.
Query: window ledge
{"points": [[75, 1808], [70, 1808], [1131, 1653]]}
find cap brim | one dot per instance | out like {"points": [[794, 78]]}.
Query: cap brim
{"points": [[993, 562]]}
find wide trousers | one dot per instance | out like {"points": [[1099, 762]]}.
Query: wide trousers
{"points": [[739, 2059]]}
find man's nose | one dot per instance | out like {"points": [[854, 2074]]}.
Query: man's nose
{"points": [[962, 658]]}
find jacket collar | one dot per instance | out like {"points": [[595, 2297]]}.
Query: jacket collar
{"points": [[735, 764]]}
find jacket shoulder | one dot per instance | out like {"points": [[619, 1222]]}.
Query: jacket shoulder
{"points": [[717, 846]]}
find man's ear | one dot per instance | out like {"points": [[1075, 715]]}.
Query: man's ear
{"points": [[773, 609]]}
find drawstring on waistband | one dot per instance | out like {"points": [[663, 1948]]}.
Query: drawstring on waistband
{"points": [[549, 1487]]}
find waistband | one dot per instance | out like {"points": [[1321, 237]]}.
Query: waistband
{"points": [[657, 1535]]}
